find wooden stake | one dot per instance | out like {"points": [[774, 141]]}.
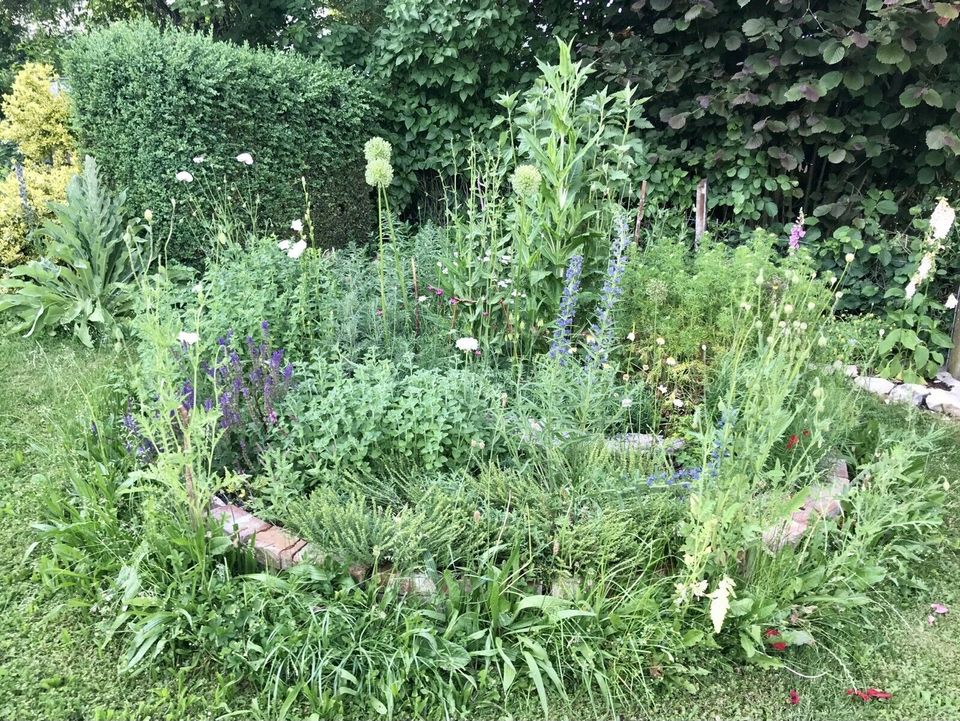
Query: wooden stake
{"points": [[953, 361], [701, 219], [640, 205], [416, 295]]}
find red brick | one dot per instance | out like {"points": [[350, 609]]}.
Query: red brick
{"points": [[237, 522], [269, 547]]}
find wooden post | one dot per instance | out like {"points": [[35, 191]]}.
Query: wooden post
{"points": [[643, 201], [701, 219], [953, 360], [416, 296]]}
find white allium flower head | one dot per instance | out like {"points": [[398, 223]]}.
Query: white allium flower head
{"points": [[245, 158], [942, 219], [148, 215], [849, 257], [376, 148], [467, 344], [184, 176]]}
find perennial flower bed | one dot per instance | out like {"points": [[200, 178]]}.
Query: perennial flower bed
{"points": [[537, 455]]}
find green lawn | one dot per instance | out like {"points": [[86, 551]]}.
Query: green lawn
{"points": [[51, 665]]}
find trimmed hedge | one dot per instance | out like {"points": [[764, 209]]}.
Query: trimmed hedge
{"points": [[146, 102]]}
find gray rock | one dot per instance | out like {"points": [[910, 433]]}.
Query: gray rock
{"points": [[880, 386], [419, 584], [944, 401], [948, 380], [565, 586], [626, 442], [910, 393]]}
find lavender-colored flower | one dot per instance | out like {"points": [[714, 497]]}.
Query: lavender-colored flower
{"points": [[560, 344], [797, 232], [187, 393], [602, 328]]}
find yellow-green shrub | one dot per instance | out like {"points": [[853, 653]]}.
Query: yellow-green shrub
{"points": [[35, 116], [45, 184], [35, 119]]}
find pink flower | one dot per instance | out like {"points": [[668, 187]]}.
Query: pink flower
{"points": [[939, 608], [797, 232]]}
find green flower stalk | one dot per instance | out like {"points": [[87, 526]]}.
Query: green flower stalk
{"points": [[379, 175]]}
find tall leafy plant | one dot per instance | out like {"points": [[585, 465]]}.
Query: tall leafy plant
{"points": [[86, 279], [544, 194]]}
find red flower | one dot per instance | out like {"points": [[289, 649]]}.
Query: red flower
{"points": [[794, 697], [869, 695], [943, 21], [792, 443], [770, 632], [779, 646]]}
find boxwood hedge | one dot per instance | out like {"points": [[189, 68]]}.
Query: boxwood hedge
{"points": [[147, 102]]}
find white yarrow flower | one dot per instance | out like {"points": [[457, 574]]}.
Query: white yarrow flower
{"points": [[467, 344], [185, 176], [631, 336], [626, 402], [677, 403], [245, 158], [910, 290], [188, 338], [951, 302], [198, 159], [284, 245], [942, 219], [296, 250], [297, 226]]}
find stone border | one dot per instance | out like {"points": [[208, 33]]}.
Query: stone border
{"points": [[276, 548], [823, 501], [272, 546], [943, 397]]}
